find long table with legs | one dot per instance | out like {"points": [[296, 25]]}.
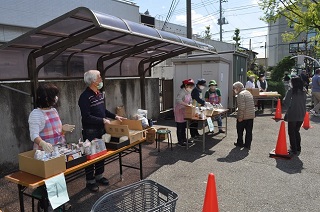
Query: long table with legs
{"points": [[25, 180], [202, 125], [267, 97]]}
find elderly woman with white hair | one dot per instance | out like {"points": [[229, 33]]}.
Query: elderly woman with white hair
{"points": [[251, 82], [93, 117], [245, 115]]}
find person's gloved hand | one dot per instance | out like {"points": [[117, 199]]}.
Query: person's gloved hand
{"points": [[68, 127], [120, 118], [46, 146], [208, 104]]}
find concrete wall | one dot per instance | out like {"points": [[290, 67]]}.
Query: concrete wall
{"points": [[16, 107]]}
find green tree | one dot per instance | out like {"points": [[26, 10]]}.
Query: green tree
{"points": [[284, 65], [207, 33], [236, 37], [303, 15]]}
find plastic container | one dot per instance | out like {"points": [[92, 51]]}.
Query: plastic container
{"points": [[142, 196]]}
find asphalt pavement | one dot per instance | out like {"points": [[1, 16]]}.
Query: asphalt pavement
{"points": [[246, 181]]}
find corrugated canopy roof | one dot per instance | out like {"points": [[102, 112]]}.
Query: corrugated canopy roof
{"points": [[82, 39]]}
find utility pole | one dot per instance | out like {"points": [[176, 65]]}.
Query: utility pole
{"points": [[189, 27], [221, 19], [265, 54]]}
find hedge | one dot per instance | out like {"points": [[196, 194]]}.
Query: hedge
{"points": [[277, 86]]}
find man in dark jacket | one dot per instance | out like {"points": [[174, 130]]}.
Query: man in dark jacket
{"points": [[93, 118], [197, 100]]}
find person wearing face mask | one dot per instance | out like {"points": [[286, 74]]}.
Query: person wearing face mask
{"points": [[46, 129], [197, 100], [183, 100], [263, 86], [251, 82], [93, 118], [213, 95], [45, 125], [245, 115]]}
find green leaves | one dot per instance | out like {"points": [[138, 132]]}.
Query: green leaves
{"points": [[303, 15]]}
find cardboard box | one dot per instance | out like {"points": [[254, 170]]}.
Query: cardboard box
{"points": [[209, 112], [75, 162], [254, 91], [190, 112], [114, 143], [131, 128], [44, 169], [151, 135]]}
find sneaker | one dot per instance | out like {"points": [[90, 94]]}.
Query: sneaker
{"points": [[246, 147], [67, 206], [182, 144], [103, 181], [93, 187], [313, 112], [222, 131], [238, 145]]}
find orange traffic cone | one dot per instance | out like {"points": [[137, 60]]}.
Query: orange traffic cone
{"points": [[306, 122], [211, 200], [278, 113], [281, 147]]}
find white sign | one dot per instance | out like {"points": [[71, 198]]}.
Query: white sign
{"points": [[57, 190], [210, 124]]}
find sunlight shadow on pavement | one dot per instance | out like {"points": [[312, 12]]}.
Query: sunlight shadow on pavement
{"points": [[236, 154]]}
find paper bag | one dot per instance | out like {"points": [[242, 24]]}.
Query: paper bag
{"points": [[120, 111]]}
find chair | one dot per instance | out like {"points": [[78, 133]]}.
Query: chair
{"points": [[163, 132]]}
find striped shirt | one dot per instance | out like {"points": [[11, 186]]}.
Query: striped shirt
{"points": [[37, 122]]}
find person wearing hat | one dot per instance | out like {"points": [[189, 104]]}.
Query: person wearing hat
{"points": [[213, 95], [197, 100], [183, 100], [263, 86]]}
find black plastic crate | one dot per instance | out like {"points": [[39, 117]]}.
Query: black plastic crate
{"points": [[142, 196]]}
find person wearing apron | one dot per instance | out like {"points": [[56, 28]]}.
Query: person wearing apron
{"points": [[46, 129], [197, 101], [213, 95], [183, 100]]}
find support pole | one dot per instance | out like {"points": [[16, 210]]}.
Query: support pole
{"points": [[189, 27], [220, 1]]}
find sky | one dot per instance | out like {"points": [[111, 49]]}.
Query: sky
{"points": [[242, 14]]}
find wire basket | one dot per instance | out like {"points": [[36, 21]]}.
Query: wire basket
{"points": [[142, 196]]}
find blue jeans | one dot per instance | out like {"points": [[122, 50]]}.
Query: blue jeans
{"points": [[219, 121], [95, 170]]}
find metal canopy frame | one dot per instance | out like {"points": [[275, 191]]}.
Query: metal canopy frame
{"points": [[82, 39]]}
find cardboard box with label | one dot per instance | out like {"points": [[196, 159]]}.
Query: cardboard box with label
{"points": [[131, 128], [190, 112], [254, 91], [44, 169]]}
